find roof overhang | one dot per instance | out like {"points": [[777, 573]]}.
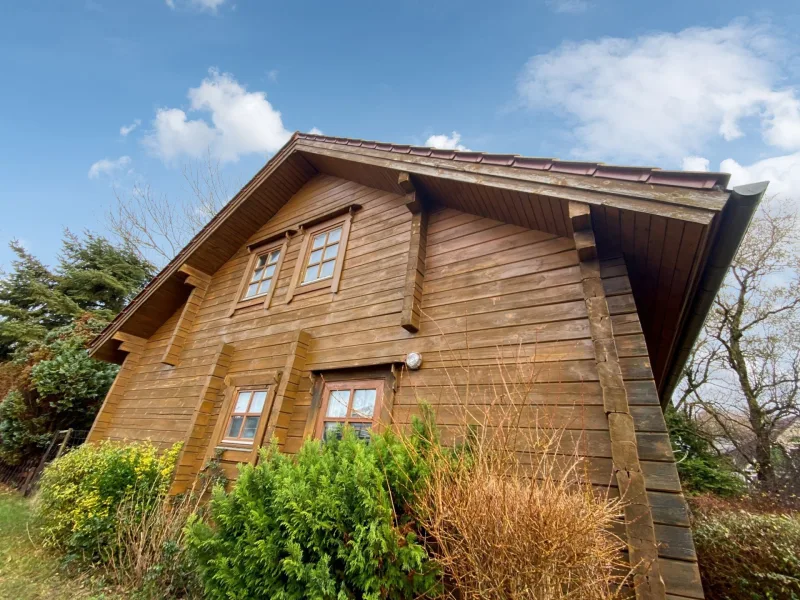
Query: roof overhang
{"points": [[495, 186]]}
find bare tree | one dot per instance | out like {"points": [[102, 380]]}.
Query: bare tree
{"points": [[744, 376], [157, 226]]}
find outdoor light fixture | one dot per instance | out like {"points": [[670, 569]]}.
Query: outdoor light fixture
{"points": [[413, 360]]}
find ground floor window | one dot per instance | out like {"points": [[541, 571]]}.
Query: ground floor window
{"points": [[245, 416], [353, 403]]}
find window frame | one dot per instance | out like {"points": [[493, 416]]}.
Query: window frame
{"points": [[378, 384], [240, 442], [309, 232], [239, 301], [233, 383]]}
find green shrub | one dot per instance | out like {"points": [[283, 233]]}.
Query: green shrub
{"points": [[747, 556], [81, 492], [319, 525], [702, 470]]}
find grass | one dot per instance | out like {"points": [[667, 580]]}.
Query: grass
{"points": [[29, 572]]}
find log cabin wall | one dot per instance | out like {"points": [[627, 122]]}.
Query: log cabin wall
{"points": [[491, 291]]}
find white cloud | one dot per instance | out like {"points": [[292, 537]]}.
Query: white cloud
{"points": [[108, 166], [272, 75], [206, 5], [695, 163], [568, 6], [316, 131], [126, 129], [446, 142], [782, 172], [241, 122], [665, 95]]}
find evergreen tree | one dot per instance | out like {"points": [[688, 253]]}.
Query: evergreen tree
{"points": [[47, 319]]}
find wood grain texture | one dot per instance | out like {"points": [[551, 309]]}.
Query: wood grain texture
{"points": [[499, 297]]}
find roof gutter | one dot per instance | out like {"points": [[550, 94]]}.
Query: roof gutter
{"points": [[734, 221]]}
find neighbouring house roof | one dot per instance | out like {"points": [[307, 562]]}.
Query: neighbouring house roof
{"points": [[678, 231]]}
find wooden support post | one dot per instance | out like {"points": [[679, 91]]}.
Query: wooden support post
{"points": [[415, 265], [283, 405], [199, 283], [640, 530], [197, 440], [133, 346]]}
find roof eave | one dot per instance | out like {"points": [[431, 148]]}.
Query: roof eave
{"points": [[734, 220]]}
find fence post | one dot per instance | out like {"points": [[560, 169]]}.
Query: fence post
{"points": [[64, 443], [39, 467]]}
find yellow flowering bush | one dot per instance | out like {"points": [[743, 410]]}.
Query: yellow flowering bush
{"points": [[81, 492]]}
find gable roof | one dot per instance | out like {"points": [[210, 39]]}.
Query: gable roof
{"points": [[638, 212], [652, 175]]}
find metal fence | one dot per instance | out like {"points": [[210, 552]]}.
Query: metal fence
{"points": [[25, 475]]}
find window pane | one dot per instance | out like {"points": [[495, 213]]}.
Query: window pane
{"points": [[337, 403], [262, 260], [363, 404], [334, 235], [252, 290], [330, 251], [270, 270], [264, 287], [332, 431], [257, 405], [311, 274], [234, 427], [315, 257], [257, 275], [319, 241], [327, 269], [249, 429], [242, 401], [274, 256], [362, 430]]}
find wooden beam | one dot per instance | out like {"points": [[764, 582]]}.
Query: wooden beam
{"points": [[197, 441], [639, 526], [199, 282], [415, 272], [286, 394], [668, 201]]}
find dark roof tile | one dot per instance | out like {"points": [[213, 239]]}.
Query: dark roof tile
{"points": [[696, 180]]}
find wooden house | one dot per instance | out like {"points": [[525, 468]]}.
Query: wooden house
{"points": [[299, 303]]}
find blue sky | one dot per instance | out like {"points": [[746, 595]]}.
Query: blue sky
{"points": [[103, 95]]}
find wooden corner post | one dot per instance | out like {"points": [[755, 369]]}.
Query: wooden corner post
{"points": [[639, 527], [415, 267], [132, 346]]}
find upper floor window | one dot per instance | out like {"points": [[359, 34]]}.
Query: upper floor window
{"points": [[322, 254], [245, 416], [263, 272], [260, 278]]}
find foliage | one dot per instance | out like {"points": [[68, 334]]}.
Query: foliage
{"points": [[509, 524], [748, 556], [319, 525], [81, 492], [742, 382], [56, 385], [702, 469], [47, 319]]}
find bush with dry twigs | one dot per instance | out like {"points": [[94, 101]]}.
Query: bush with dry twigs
{"points": [[508, 511]]}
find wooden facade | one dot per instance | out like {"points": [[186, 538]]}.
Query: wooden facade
{"points": [[469, 263]]}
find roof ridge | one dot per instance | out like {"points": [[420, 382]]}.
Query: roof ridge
{"points": [[703, 180]]}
